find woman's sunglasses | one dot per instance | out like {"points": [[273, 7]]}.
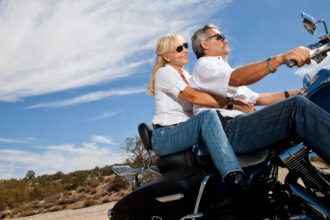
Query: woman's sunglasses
{"points": [[180, 48], [218, 37]]}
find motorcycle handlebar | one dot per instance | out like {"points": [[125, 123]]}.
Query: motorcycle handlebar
{"points": [[318, 53]]}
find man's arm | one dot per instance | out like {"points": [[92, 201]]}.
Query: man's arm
{"points": [[270, 98], [254, 72], [213, 101]]}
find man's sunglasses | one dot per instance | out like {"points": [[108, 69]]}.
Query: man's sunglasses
{"points": [[180, 48], [218, 37]]}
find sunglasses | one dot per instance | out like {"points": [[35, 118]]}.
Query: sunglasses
{"points": [[180, 48], [218, 37]]}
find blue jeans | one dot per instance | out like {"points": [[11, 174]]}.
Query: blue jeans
{"points": [[247, 133], [204, 128], [293, 116]]}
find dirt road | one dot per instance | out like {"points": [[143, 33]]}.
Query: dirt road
{"points": [[97, 212]]}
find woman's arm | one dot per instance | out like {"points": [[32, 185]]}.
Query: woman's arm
{"points": [[270, 98], [213, 101]]}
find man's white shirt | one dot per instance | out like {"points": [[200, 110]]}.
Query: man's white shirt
{"points": [[211, 74]]}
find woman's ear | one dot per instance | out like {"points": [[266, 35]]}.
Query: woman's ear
{"points": [[166, 58]]}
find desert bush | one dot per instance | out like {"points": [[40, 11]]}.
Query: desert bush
{"points": [[80, 189], [52, 198], [67, 193], [88, 189], [81, 197], [56, 208], [26, 212], [89, 203], [105, 200], [117, 184]]}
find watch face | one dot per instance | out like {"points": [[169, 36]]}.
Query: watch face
{"points": [[230, 103]]}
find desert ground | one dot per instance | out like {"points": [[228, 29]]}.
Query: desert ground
{"points": [[97, 212]]}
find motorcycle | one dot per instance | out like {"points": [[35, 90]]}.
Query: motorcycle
{"points": [[188, 185]]}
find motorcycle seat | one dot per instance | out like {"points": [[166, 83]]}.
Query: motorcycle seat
{"points": [[195, 155]]}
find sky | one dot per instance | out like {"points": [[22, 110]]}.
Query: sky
{"points": [[73, 73]]}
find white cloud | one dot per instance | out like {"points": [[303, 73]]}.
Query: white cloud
{"points": [[313, 67], [105, 115], [90, 97], [8, 140], [51, 46], [101, 139], [65, 158]]}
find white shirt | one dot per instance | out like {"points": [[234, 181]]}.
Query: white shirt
{"points": [[169, 108], [212, 74]]}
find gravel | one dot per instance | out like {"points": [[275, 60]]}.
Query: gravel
{"points": [[97, 212]]}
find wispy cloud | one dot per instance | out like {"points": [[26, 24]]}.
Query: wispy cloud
{"points": [[101, 139], [51, 46], [17, 141], [65, 158], [8, 140], [90, 97], [314, 67], [105, 115]]}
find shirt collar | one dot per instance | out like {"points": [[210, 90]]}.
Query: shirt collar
{"points": [[213, 58]]}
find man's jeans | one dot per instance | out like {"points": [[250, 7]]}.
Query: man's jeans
{"points": [[202, 128], [293, 116], [247, 133]]}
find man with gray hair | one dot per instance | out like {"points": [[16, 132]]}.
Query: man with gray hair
{"points": [[287, 113]]}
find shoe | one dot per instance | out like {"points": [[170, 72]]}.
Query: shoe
{"points": [[241, 193]]}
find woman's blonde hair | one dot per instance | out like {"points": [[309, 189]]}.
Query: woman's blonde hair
{"points": [[165, 44]]}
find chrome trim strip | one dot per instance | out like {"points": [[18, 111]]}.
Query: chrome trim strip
{"points": [[170, 198], [310, 202]]}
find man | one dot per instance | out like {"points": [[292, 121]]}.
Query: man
{"points": [[250, 132]]}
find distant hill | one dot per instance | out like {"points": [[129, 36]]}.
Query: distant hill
{"points": [[60, 191]]}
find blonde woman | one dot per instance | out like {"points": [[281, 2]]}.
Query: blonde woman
{"points": [[175, 128]]}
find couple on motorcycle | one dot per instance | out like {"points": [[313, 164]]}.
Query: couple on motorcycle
{"points": [[215, 90]]}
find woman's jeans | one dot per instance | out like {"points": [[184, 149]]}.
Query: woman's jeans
{"points": [[249, 132], [202, 128]]}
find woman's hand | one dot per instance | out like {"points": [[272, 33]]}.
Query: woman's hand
{"points": [[244, 106]]}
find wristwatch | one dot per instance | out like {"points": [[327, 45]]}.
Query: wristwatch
{"points": [[269, 65], [230, 103]]}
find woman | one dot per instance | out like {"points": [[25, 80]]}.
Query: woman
{"points": [[175, 129]]}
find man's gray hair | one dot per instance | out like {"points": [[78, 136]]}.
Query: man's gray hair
{"points": [[198, 36]]}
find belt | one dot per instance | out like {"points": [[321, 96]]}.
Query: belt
{"points": [[165, 126], [223, 119]]}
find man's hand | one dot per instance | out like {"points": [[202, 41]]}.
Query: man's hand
{"points": [[299, 54], [244, 106]]}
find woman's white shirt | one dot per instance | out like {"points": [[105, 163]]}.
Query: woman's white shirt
{"points": [[169, 108]]}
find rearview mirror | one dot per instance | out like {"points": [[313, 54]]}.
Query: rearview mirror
{"points": [[307, 81], [309, 23]]}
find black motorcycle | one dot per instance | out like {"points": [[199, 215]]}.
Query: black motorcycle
{"points": [[189, 186]]}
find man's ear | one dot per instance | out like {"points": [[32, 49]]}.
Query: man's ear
{"points": [[204, 44]]}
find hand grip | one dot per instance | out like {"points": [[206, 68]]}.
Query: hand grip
{"points": [[291, 63]]}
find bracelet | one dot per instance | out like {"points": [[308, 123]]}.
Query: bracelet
{"points": [[269, 65], [230, 103], [287, 95]]}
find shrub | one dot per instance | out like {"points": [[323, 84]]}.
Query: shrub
{"points": [[53, 198], [117, 184], [27, 212], [89, 203]]}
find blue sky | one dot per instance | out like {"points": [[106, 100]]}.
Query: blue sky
{"points": [[73, 73]]}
